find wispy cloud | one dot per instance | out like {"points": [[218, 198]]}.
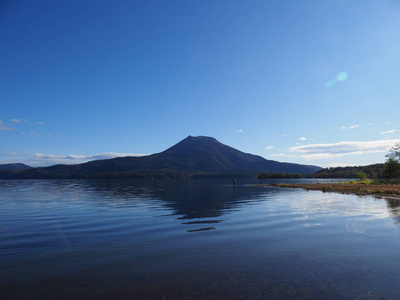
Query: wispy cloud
{"points": [[303, 139], [240, 131], [3, 127], [350, 127], [9, 153], [324, 151], [39, 159], [354, 126], [283, 155], [269, 147], [389, 131], [26, 121]]}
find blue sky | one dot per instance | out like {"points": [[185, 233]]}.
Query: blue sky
{"points": [[313, 82]]}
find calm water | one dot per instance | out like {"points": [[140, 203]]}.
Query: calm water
{"points": [[194, 239]]}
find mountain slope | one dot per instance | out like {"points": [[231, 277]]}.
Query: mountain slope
{"points": [[191, 155], [16, 166], [207, 154]]}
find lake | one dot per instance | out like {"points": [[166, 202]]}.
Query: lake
{"points": [[194, 239]]}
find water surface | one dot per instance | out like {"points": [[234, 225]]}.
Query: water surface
{"points": [[196, 239]]}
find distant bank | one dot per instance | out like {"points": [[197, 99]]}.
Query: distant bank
{"points": [[387, 190]]}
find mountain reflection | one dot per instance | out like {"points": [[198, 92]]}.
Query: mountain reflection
{"points": [[187, 199], [205, 201]]}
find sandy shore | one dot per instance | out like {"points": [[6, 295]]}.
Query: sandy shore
{"points": [[392, 190]]}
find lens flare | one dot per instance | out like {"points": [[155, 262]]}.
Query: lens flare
{"points": [[331, 83], [342, 76]]}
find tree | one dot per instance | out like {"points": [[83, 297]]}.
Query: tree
{"points": [[361, 176], [391, 168], [394, 153], [373, 175]]}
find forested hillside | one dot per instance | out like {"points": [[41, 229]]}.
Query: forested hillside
{"points": [[372, 171]]}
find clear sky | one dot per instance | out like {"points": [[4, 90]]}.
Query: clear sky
{"points": [[311, 82]]}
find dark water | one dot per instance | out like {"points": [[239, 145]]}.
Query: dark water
{"points": [[194, 239]]}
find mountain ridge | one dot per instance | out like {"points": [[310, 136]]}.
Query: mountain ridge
{"points": [[192, 155], [14, 166]]}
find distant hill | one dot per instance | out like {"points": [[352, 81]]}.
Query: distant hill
{"points": [[16, 166], [373, 172], [192, 157]]}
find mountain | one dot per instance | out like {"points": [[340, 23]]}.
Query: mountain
{"points": [[206, 154], [16, 166], [193, 156]]}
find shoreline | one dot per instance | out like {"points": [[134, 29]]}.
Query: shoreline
{"points": [[376, 190]]}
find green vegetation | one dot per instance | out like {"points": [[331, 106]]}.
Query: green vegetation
{"points": [[362, 176], [364, 181]]}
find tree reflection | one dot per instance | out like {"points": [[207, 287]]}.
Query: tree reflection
{"points": [[393, 206]]}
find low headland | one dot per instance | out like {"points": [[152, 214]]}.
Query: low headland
{"points": [[365, 187]]}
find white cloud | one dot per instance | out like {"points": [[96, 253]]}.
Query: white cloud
{"points": [[283, 155], [39, 159], [240, 131], [350, 127], [49, 156], [106, 155], [3, 127], [269, 147], [389, 131], [324, 151], [354, 126], [40, 123], [303, 139], [16, 120], [109, 155]]}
